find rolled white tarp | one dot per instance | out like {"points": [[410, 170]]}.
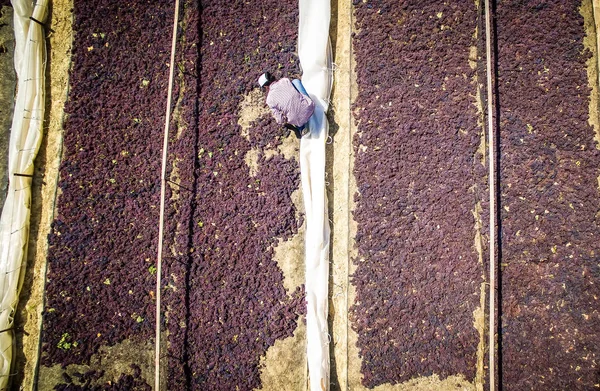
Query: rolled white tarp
{"points": [[314, 51], [25, 139]]}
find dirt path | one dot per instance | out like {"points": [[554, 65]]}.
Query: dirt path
{"points": [[339, 154]]}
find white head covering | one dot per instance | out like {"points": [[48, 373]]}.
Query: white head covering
{"points": [[262, 80]]}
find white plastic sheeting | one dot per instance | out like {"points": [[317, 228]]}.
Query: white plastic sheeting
{"points": [[314, 51], [26, 136]]}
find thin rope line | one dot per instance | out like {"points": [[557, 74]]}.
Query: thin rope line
{"points": [[491, 179], [162, 201]]}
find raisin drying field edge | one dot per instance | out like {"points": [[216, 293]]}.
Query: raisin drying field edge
{"points": [[45, 191]]}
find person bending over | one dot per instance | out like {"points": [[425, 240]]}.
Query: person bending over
{"points": [[289, 102]]}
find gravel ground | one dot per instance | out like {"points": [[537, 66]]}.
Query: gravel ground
{"points": [[419, 178], [549, 169]]}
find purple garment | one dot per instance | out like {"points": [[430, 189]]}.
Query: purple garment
{"points": [[288, 105]]}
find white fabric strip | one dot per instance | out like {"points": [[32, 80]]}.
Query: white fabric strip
{"points": [[315, 59], [25, 139]]}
